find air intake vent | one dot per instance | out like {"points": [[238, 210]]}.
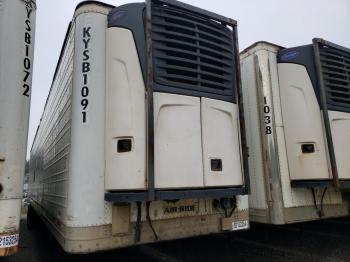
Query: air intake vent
{"points": [[192, 55], [335, 63]]}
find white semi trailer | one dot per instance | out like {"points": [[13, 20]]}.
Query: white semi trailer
{"points": [[17, 26], [297, 101], [142, 136]]}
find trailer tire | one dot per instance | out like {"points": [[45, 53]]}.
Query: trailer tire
{"points": [[33, 220]]}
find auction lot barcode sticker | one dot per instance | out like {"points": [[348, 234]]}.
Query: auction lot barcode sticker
{"points": [[9, 241], [240, 225]]}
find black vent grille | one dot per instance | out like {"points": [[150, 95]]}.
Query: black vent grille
{"points": [[335, 64], [192, 55]]}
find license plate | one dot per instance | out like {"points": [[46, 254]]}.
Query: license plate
{"points": [[9, 241], [240, 225]]}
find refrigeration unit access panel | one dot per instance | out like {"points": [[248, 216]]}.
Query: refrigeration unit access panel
{"points": [[315, 94], [187, 134]]}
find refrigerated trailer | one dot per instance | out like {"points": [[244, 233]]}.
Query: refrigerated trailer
{"points": [[17, 26], [142, 136], [296, 102]]}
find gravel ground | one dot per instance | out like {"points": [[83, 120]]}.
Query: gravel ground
{"points": [[327, 240]]}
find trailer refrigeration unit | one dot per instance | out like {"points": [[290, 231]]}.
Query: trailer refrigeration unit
{"points": [[17, 24], [297, 111], [141, 139]]}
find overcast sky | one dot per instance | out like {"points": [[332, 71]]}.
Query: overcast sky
{"points": [[284, 22]]}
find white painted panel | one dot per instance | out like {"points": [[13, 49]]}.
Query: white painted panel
{"points": [[16, 57], [220, 140], [303, 124], [86, 205], [177, 144], [125, 113], [17, 32], [340, 127]]}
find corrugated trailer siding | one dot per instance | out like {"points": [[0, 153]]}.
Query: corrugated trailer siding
{"points": [[50, 152]]}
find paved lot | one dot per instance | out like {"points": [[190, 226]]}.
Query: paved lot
{"points": [[317, 241]]}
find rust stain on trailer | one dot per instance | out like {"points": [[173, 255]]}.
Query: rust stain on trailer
{"points": [[8, 251]]}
